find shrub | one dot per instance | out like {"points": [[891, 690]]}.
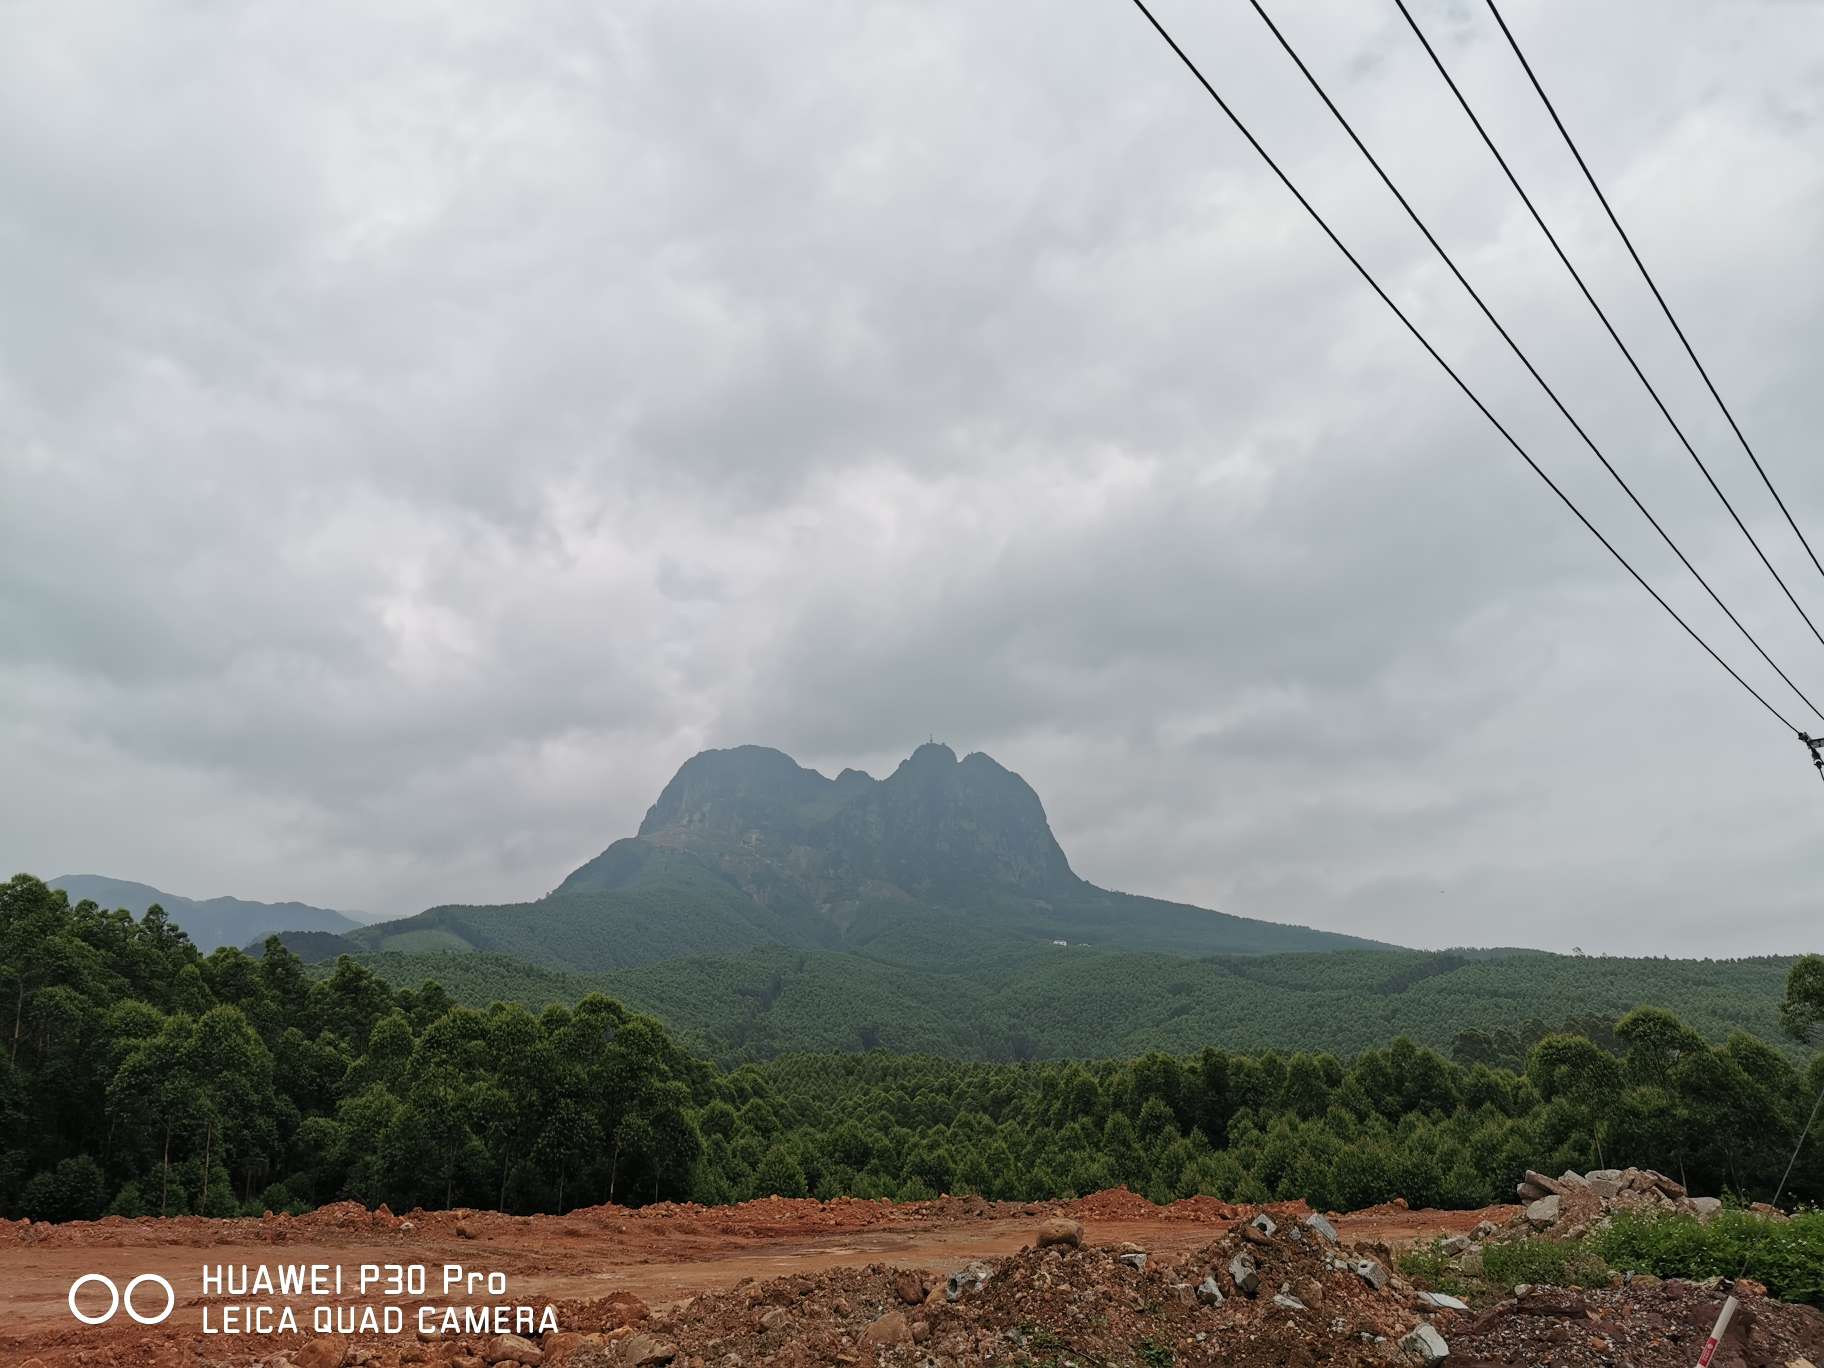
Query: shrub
{"points": [[130, 1201], [1788, 1256], [73, 1191]]}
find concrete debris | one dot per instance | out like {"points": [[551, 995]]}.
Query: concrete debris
{"points": [[1245, 1273], [966, 1280], [1443, 1301], [1264, 1224], [1321, 1227], [1425, 1344], [1209, 1291], [1371, 1272]]}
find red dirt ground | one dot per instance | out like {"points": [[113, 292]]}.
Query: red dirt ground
{"points": [[663, 1254]]}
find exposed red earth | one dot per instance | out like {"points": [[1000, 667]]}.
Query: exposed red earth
{"points": [[794, 1282]]}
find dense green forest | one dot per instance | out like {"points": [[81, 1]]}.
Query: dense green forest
{"points": [[142, 1076], [1081, 1002]]}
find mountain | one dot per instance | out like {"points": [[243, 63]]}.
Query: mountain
{"points": [[945, 863], [209, 922]]}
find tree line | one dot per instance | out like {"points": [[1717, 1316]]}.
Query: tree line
{"points": [[142, 1077]]}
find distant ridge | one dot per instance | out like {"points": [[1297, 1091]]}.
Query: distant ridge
{"points": [[209, 922]]}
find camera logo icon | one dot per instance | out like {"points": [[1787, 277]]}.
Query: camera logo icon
{"points": [[117, 1299]]}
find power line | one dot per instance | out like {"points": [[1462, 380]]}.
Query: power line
{"points": [[1461, 384], [1526, 361], [1552, 238], [1797, 1149], [1645, 275]]}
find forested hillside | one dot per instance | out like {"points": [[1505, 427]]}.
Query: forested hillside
{"points": [[143, 1077], [1065, 1003]]}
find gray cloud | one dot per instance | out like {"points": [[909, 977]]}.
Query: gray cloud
{"points": [[423, 428]]}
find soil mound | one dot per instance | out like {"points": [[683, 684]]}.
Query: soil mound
{"points": [[1644, 1325]]}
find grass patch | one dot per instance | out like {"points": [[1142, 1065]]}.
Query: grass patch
{"points": [[1155, 1354], [1494, 1271], [1788, 1256], [1548, 1263], [1040, 1338], [1431, 1268]]}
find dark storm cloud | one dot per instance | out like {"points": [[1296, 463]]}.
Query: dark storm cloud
{"points": [[422, 429]]}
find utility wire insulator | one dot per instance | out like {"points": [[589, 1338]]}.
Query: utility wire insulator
{"points": [[1815, 744]]}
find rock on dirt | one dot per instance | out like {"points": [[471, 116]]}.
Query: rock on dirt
{"points": [[1060, 1230], [328, 1352], [892, 1328], [513, 1349], [910, 1285], [642, 1351], [1544, 1212]]}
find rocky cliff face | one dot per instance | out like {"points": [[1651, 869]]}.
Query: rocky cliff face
{"points": [[936, 824]]}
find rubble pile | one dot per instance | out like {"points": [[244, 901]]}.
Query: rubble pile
{"points": [[1571, 1204], [1265, 1293], [1647, 1324]]}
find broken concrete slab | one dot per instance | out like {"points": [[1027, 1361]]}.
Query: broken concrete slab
{"points": [[1443, 1301], [1426, 1345], [1319, 1225]]}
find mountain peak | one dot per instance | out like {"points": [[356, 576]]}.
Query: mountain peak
{"points": [[934, 823], [932, 755]]}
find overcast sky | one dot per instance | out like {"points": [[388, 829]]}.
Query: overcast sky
{"points": [[423, 426]]}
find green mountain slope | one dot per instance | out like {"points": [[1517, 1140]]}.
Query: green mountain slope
{"points": [[671, 905], [1086, 1003]]}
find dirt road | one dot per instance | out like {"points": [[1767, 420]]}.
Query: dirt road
{"points": [[660, 1254]]}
